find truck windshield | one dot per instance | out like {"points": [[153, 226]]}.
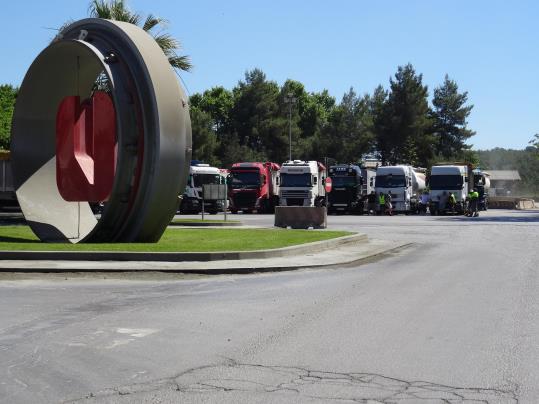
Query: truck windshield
{"points": [[344, 181], [390, 181], [445, 182], [296, 180], [246, 179], [202, 179]]}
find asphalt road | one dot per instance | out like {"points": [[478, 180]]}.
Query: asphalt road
{"points": [[453, 319]]}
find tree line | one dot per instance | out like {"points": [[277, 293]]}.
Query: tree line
{"points": [[398, 124], [525, 161]]}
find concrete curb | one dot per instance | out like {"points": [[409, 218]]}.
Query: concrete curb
{"points": [[372, 254], [179, 256], [210, 223], [371, 257]]}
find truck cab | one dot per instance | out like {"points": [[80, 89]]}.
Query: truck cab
{"points": [[405, 185], [444, 180], [347, 189], [199, 175], [302, 183], [253, 186]]}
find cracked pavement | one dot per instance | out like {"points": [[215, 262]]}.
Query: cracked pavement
{"points": [[236, 381], [454, 319]]}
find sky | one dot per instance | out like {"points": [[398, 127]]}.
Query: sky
{"points": [[488, 47]]}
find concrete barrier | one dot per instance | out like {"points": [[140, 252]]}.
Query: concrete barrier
{"points": [[301, 217], [505, 202], [526, 204]]}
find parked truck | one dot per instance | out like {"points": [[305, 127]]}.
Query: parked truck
{"points": [[301, 183], [200, 174], [445, 180], [405, 184], [347, 189], [253, 186]]}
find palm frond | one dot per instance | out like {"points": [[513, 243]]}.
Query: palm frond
{"points": [[100, 9], [119, 11], [167, 43], [180, 62], [152, 22]]}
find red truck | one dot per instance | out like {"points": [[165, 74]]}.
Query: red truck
{"points": [[253, 186]]}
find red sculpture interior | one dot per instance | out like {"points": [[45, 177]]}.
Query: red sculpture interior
{"points": [[86, 148]]}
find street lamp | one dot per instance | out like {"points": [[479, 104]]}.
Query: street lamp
{"points": [[290, 100]]}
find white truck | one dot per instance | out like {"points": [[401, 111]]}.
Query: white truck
{"points": [[444, 180], [201, 174], [405, 184], [302, 183]]}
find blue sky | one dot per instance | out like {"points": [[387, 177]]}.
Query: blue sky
{"points": [[488, 47]]}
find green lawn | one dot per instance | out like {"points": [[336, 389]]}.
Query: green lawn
{"points": [[181, 240]]}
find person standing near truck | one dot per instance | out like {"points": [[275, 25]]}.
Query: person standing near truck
{"points": [[424, 202], [473, 199], [452, 202], [371, 203], [381, 203], [389, 205]]}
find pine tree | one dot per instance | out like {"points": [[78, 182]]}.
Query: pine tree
{"points": [[450, 115], [407, 118]]}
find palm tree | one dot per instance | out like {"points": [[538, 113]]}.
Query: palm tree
{"points": [[117, 10]]}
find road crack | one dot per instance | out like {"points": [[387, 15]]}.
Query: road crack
{"points": [[318, 385]]}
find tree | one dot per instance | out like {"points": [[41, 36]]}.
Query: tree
{"points": [[205, 141], [534, 143], [379, 111], [348, 133], [8, 95], [450, 115], [117, 10], [407, 119], [218, 103], [256, 118]]}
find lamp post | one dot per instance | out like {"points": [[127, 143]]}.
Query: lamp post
{"points": [[290, 100]]}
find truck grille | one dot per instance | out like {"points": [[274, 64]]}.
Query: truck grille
{"points": [[340, 197], [245, 200], [295, 194]]}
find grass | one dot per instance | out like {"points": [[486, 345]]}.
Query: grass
{"points": [[179, 240]]}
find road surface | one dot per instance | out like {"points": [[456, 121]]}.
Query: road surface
{"points": [[452, 319]]}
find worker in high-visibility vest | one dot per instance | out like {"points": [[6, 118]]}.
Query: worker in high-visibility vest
{"points": [[473, 200], [452, 202], [381, 203]]}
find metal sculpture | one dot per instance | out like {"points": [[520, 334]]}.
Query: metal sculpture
{"points": [[100, 117]]}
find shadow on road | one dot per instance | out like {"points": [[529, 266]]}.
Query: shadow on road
{"points": [[522, 216]]}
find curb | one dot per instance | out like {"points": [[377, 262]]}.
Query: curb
{"points": [[208, 224], [179, 256], [366, 258]]}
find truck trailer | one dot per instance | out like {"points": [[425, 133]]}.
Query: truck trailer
{"points": [[301, 183], [253, 186]]}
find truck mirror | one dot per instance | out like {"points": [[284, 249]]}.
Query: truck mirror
{"points": [[315, 180], [263, 179], [277, 180]]}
